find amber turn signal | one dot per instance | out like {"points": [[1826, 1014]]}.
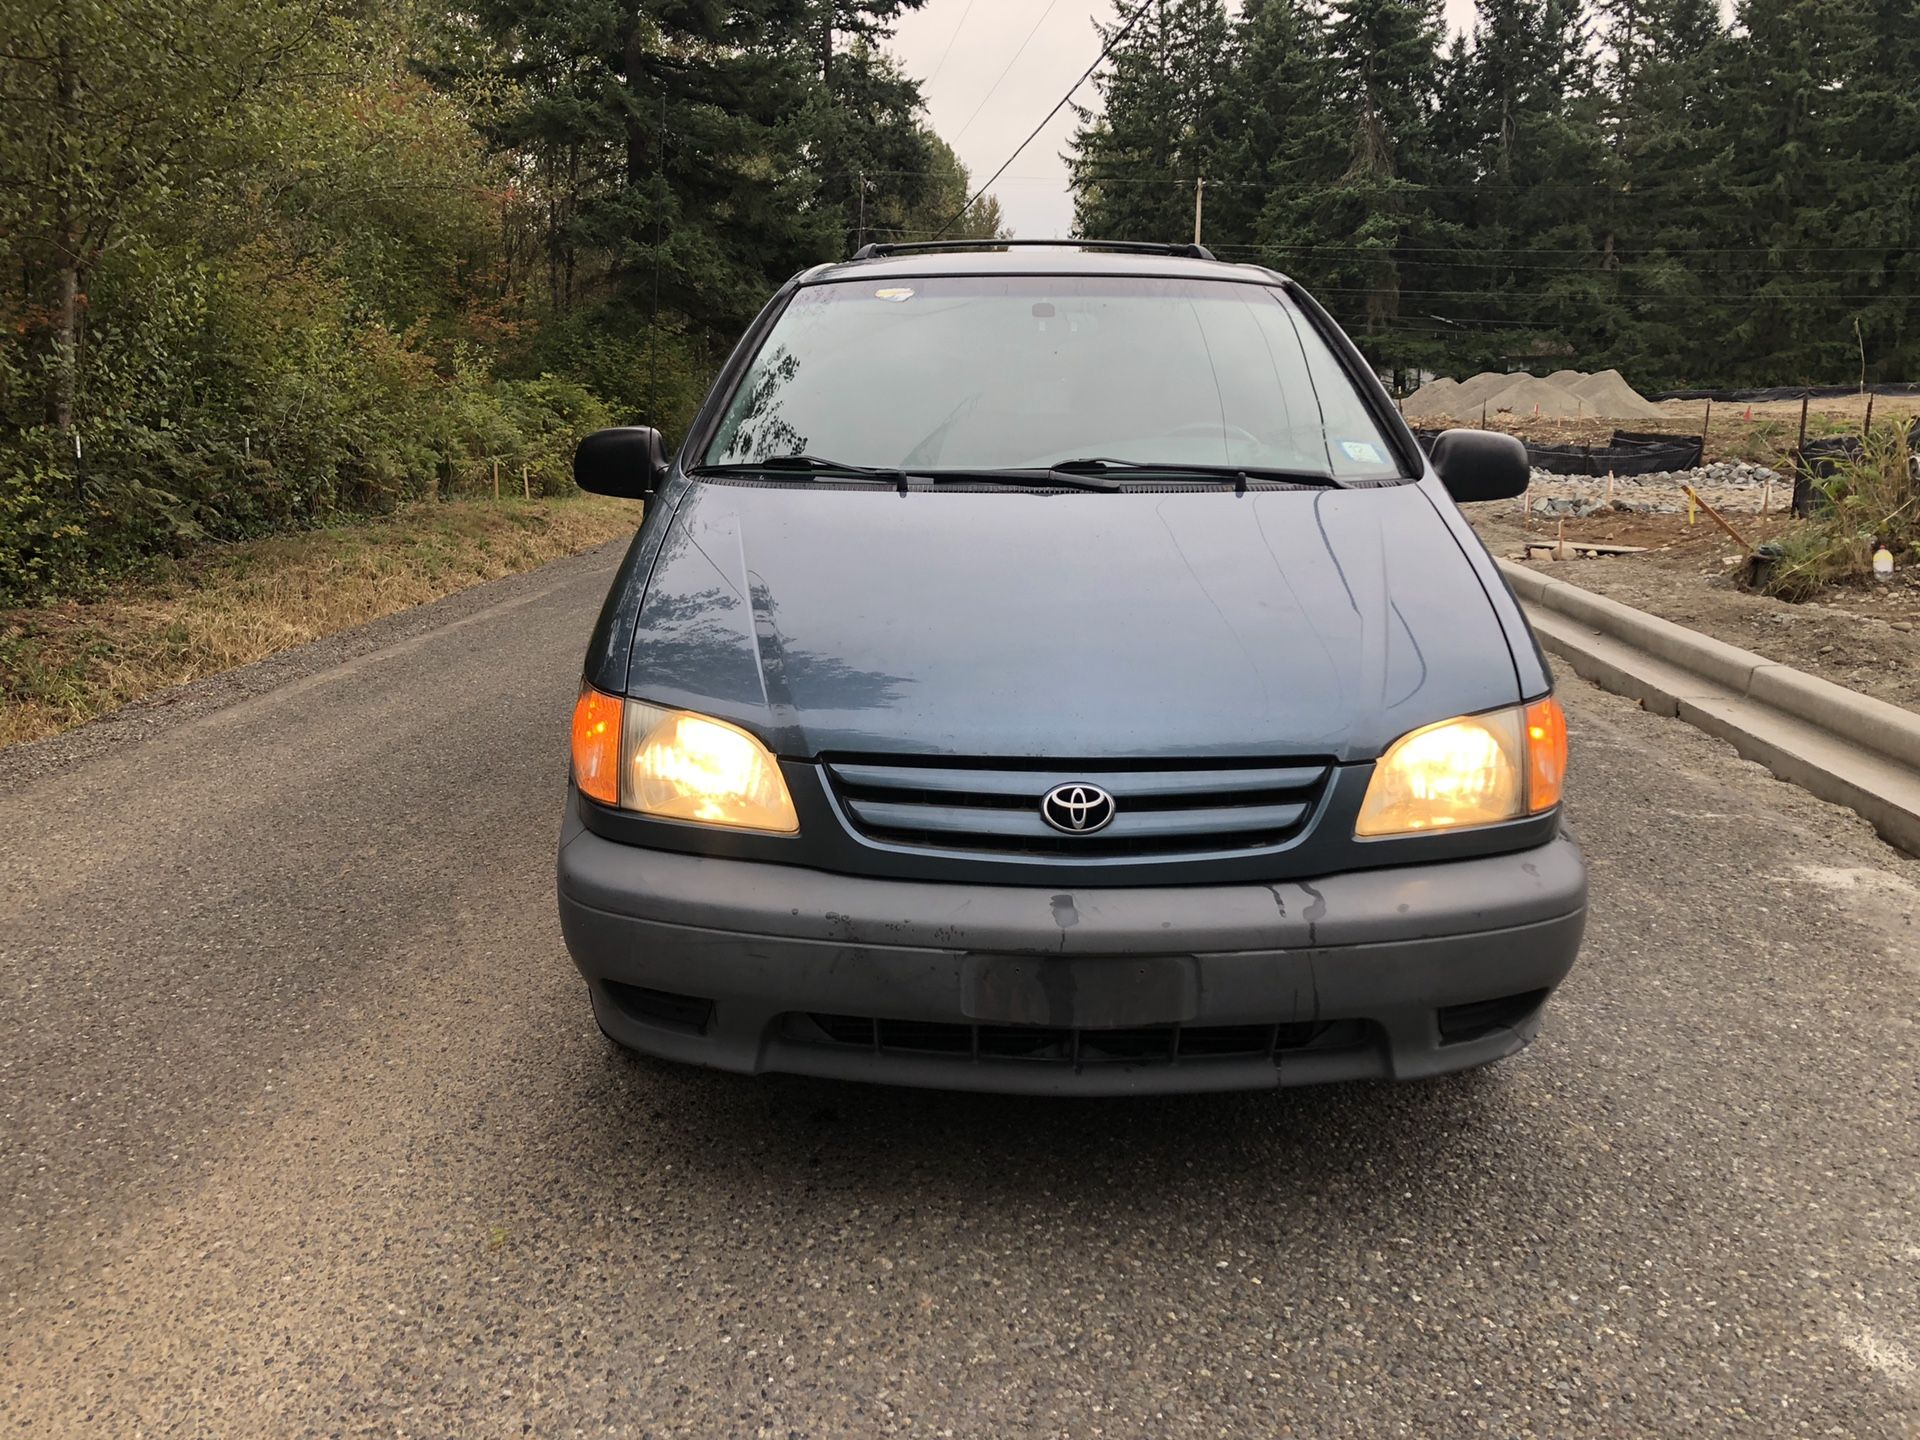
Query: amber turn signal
{"points": [[596, 745], [1546, 754]]}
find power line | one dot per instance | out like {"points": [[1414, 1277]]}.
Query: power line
{"points": [[958, 27], [1004, 73], [1118, 35]]}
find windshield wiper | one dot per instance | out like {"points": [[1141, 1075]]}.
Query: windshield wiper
{"points": [[1239, 474], [808, 465]]}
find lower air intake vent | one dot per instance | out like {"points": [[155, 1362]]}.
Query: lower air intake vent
{"points": [[1482, 1017], [662, 1007], [1144, 1045]]}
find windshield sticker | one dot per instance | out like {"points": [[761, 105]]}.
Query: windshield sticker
{"points": [[1360, 452], [896, 294]]}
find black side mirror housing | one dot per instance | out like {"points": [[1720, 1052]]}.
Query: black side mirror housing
{"points": [[1481, 465], [628, 462]]}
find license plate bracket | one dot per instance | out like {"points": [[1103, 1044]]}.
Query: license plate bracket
{"points": [[1080, 992]]}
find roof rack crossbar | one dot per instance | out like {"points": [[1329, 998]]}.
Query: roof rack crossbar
{"points": [[881, 248]]}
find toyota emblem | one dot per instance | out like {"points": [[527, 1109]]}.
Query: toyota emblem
{"points": [[1077, 809]]}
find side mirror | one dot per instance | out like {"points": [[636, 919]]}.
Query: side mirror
{"points": [[1481, 465], [628, 462]]}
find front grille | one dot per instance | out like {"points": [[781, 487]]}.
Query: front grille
{"points": [[993, 807], [1142, 1045]]}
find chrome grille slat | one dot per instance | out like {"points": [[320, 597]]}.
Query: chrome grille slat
{"points": [[1026, 822], [1123, 785], [992, 807]]}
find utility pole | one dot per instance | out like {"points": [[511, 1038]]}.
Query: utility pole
{"points": [[863, 210], [1199, 203]]}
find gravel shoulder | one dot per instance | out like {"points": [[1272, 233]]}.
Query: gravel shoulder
{"points": [[1866, 638]]}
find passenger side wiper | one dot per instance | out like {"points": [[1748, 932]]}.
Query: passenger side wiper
{"points": [[1239, 474]]}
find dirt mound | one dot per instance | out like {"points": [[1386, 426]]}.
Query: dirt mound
{"points": [[1436, 397], [1529, 396], [1565, 394], [1486, 385], [1607, 393]]}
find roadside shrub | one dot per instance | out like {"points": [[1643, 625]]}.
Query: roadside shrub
{"points": [[224, 403], [1872, 500]]}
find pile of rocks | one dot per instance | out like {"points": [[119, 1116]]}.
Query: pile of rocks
{"points": [[1730, 486]]}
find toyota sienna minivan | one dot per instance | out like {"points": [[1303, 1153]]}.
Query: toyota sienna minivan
{"points": [[1057, 668]]}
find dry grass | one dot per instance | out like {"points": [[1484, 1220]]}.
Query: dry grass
{"points": [[64, 664], [1871, 501]]}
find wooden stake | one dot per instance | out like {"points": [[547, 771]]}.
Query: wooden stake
{"points": [[1803, 421], [1766, 498], [1609, 489], [525, 488], [1706, 424], [1718, 519], [1866, 426], [496, 477]]}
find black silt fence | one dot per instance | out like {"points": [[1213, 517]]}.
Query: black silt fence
{"points": [[1627, 453]]}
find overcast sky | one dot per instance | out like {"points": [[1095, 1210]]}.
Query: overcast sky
{"points": [[960, 49]]}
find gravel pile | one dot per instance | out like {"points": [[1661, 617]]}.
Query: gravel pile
{"points": [[1565, 394], [1731, 486]]}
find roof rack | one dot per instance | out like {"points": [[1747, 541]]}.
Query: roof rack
{"points": [[881, 248]]}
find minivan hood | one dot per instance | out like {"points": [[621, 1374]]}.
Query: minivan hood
{"points": [[834, 619]]}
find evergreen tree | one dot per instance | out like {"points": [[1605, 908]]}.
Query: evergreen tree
{"points": [[1519, 121], [1135, 166], [674, 139], [1376, 219], [1802, 188], [1664, 211], [1275, 128]]}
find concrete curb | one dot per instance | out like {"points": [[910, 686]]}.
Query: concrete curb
{"points": [[1851, 749]]}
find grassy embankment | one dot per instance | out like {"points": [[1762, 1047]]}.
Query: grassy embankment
{"points": [[64, 663]]}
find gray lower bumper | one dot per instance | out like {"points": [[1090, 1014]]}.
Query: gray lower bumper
{"points": [[1355, 974]]}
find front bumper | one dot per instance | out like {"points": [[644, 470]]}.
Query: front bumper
{"points": [[1401, 972]]}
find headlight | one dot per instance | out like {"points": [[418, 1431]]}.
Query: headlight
{"points": [[677, 765], [1476, 770]]}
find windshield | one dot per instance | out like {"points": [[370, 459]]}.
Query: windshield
{"points": [[1027, 371]]}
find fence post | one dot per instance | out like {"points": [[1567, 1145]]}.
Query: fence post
{"points": [[496, 477], [526, 488]]}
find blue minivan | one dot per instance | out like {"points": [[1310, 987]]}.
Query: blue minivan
{"points": [[1057, 668]]}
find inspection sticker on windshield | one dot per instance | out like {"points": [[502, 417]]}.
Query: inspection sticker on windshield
{"points": [[895, 294], [1361, 452]]}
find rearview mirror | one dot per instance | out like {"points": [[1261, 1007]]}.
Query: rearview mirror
{"points": [[1481, 465], [629, 462]]}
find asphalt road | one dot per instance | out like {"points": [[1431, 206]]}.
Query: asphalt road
{"points": [[305, 1129]]}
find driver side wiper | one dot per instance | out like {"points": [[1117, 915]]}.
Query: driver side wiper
{"points": [[1239, 474], [807, 465]]}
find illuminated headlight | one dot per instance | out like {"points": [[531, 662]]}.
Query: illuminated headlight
{"points": [[1476, 770], [677, 765]]}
